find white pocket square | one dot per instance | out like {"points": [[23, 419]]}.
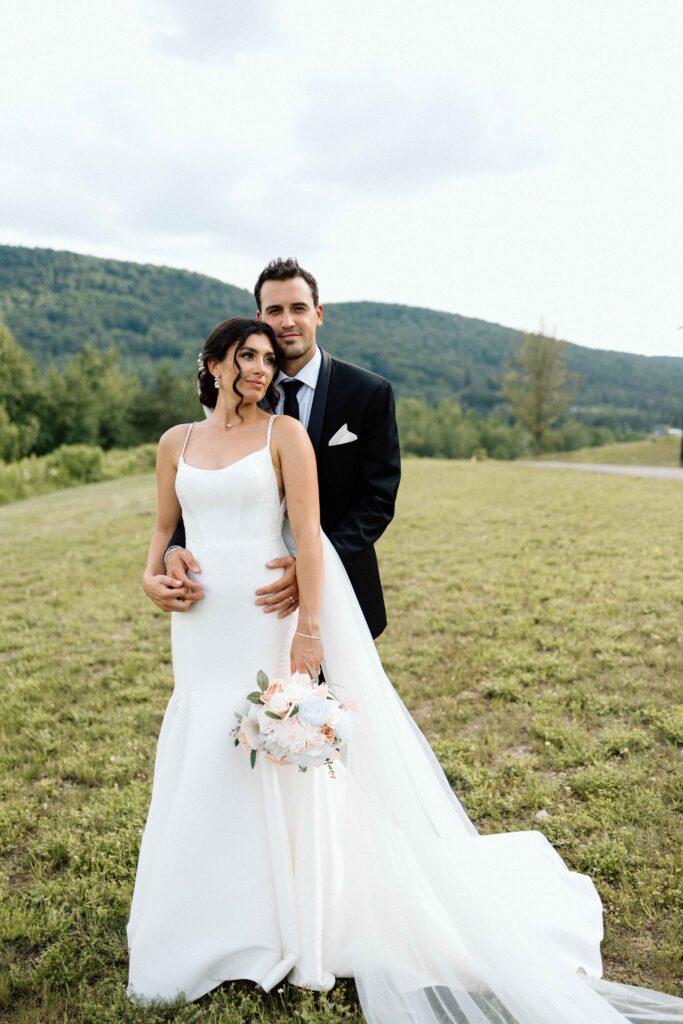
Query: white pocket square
{"points": [[343, 436]]}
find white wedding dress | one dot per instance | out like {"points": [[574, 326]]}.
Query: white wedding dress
{"points": [[377, 874]]}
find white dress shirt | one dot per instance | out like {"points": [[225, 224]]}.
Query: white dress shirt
{"points": [[308, 375]]}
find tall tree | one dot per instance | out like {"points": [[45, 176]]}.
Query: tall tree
{"points": [[538, 386], [172, 399], [87, 403], [19, 399]]}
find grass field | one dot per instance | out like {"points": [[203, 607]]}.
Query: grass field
{"points": [[535, 633], [658, 451]]}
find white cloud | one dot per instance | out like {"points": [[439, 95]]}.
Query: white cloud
{"points": [[211, 30], [502, 161], [396, 133], [152, 158]]}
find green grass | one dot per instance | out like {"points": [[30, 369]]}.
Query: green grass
{"points": [[656, 451], [535, 624]]}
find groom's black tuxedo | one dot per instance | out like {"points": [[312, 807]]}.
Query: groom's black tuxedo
{"points": [[358, 480]]}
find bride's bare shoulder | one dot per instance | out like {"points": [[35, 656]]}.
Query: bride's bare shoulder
{"points": [[288, 423], [288, 431], [290, 441], [173, 439]]}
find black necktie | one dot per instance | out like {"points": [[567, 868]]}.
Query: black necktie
{"points": [[291, 401]]}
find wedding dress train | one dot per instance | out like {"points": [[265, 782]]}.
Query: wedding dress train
{"points": [[376, 874]]}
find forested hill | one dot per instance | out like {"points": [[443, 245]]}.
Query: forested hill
{"points": [[58, 302]]}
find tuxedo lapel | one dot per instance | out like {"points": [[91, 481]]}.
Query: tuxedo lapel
{"points": [[315, 422]]}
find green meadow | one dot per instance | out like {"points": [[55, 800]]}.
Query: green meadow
{"points": [[655, 451], [535, 634]]}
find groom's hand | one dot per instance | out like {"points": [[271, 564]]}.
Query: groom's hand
{"points": [[283, 595], [175, 592]]}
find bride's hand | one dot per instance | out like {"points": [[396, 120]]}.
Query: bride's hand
{"points": [[306, 653]]}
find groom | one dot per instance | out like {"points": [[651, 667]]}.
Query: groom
{"points": [[350, 417]]}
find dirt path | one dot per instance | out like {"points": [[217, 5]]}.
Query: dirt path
{"points": [[658, 472]]}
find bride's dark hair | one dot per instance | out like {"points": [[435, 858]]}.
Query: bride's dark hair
{"points": [[226, 335]]}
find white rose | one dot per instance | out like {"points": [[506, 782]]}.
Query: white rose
{"points": [[291, 735], [278, 703], [301, 679], [315, 709], [298, 687], [315, 758], [343, 727]]}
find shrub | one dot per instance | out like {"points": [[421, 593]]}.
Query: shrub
{"points": [[129, 461], [70, 465], [76, 464]]}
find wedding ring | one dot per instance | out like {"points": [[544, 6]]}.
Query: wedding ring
{"points": [[291, 599]]}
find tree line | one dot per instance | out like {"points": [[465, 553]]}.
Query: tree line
{"points": [[56, 302], [93, 401]]}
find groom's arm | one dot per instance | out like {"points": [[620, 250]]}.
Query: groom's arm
{"points": [[379, 475], [178, 538]]}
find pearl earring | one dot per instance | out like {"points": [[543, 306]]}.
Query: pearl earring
{"points": [[216, 382]]}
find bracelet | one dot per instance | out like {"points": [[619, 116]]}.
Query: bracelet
{"points": [[174, 547], [307, 635]]}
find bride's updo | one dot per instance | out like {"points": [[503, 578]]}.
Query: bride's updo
{"points": [[233, 333]]}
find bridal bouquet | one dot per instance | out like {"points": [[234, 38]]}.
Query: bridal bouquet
{"points": [[298, 722]]}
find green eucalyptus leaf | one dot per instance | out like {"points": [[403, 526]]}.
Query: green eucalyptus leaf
{"points": [[252, 759], [254, 697], [271, 714], [311, 671], [262, 680]]}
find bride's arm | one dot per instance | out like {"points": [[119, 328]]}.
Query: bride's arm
{"points": [[300, 481], [168, 506]]}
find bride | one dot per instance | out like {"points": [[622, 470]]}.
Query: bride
{"points": [[376, 873]]}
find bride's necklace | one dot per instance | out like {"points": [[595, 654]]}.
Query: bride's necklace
{"points": [[230, 425], [237, 423]]}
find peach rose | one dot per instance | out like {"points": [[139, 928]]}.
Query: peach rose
{"points": [[274, 686], [328, 732]]}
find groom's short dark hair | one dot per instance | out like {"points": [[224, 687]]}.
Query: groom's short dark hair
{"points": [[283, 270]]}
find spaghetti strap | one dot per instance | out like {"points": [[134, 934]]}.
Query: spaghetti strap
{"points": [[187, 438], [270, 430]]}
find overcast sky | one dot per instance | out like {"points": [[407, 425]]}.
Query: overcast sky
{"points": [[506, 160]]}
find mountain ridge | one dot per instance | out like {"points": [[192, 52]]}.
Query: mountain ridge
{"points": [[56, 302]]}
